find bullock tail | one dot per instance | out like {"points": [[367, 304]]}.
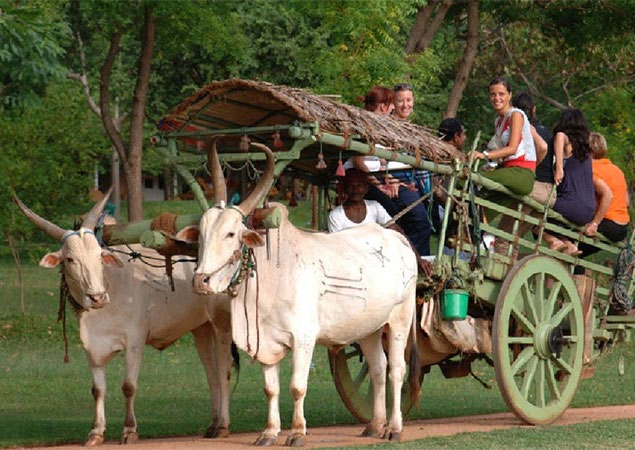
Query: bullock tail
{"points": [[236, 358], [414, 372]]}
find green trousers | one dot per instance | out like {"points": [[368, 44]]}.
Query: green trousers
{"points": [[517, 179]]}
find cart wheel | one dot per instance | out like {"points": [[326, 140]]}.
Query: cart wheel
{"points": [[350, 374], [538, 339]]}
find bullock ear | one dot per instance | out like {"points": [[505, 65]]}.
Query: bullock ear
{"points": [[110, 259], [51, 260], [188, 234], [252, 239]]}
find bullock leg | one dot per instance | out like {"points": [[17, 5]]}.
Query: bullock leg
{"points": [[134, 354], [214, 351], [221, 352], [96, 435], [302, 354], [397, 340], [374, 354], [272, 390]]}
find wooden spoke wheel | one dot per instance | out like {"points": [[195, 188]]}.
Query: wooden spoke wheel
{"points": [[350, 374], [538, 339]]}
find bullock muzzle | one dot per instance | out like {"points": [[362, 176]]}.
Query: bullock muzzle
{"points": [[98, 301], [200, 283]]}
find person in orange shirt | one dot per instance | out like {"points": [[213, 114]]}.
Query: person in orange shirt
{"points": [[611, 216]]}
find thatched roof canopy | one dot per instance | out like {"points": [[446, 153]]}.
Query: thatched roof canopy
{"points": [[236, 103]]}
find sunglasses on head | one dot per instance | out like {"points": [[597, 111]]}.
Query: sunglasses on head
{"points": [[402, 87]]}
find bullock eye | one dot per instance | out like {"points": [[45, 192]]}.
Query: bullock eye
{"points": [[70, 260], [231, 234]]}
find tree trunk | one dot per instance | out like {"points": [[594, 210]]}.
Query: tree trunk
{"points": [[16, 258], [135, 149], [132, 172], [419, 27], [426, 26], [116, 182], [463, 72]]}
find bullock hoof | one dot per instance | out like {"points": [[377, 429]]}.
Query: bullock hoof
{"points": [[372, 431], [265, 440], [216, 432], [129, 437], [93, 440], [211, 432], [393, 436], [296, 440]]}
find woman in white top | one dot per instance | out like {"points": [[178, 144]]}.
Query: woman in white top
{"points": [[515, 147], [515, 142]]}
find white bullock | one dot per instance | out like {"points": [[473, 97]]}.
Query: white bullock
{"points": [[127, 305], [307, 289]]}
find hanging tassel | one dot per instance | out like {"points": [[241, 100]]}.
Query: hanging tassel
{"points": [[340, 171], [320, 164], [244, 144], [277, 142]]}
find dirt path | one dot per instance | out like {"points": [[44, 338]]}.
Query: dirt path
{"points": [[347, 435]]}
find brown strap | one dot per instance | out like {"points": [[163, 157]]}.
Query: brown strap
{"points": [[347, 139], [417, 157], [61, 314]]}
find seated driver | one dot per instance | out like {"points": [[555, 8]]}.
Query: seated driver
{"points": [[355, 210]]}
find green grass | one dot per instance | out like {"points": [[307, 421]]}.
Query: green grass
{"points": [[44, 401], [592, 435]]}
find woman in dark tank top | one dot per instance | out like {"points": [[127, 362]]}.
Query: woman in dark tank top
{"points": [[576, 193]]}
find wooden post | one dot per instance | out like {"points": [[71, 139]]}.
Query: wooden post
{"points": [[314, 215]]}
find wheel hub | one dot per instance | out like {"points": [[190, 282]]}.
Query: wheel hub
{"points": [[556, 340], [548, 340]]}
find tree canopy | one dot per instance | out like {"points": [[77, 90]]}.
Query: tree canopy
{"points": [[154, 53]]}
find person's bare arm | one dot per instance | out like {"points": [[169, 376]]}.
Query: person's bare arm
{"points": [[559, 142], [359, 162], [605, 196], [515, 133]]}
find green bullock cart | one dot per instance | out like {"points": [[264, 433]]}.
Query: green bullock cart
{"points": [[544, 327]]}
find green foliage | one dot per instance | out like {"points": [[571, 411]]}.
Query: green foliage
{"points": [[32, 37], [611, 113], [48, 156]]}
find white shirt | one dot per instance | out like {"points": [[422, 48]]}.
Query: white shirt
{"points": [[373, 164], [374, 213], [526, 150]]}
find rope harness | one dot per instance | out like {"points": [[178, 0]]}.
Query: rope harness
{"points": [[624, 268], [65, 296]]}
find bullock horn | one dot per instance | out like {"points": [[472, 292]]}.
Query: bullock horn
{"points": [[218, 180], [261, 189], [90, 219], [48, 227]]}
